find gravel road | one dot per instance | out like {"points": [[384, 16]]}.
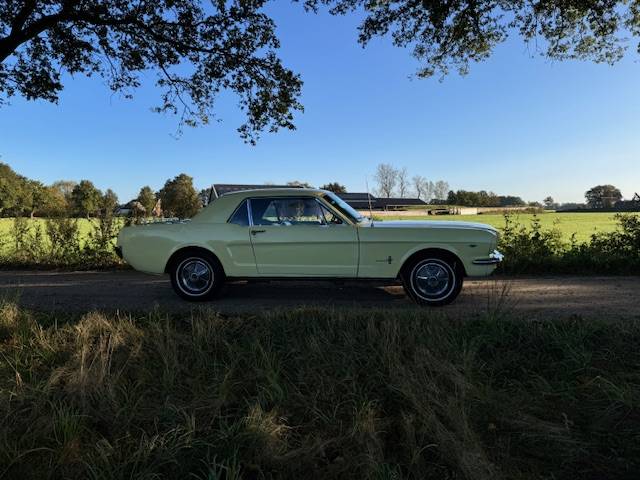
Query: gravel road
{"points": [[531, 297]]}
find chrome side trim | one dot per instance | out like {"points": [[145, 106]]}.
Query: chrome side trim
{"points": [[249, 211]]}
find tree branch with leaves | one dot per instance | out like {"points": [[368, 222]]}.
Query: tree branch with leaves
{"points": [[200, 49], [451, 35], [196, 52]]}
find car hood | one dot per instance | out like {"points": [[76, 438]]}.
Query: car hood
{"points": [[449, 225]]}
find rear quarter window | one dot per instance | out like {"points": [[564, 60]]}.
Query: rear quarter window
{"points": [[241, 215]]}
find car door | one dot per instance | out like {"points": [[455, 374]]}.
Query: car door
{"points": [[300, 237], [235, 240]]}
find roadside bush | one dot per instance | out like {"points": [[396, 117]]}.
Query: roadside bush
{"points": [[317, 394], [64, 239], [58, 244], [613, 252], [28, 242], [531, 249], [528, 248], [98, 250]]}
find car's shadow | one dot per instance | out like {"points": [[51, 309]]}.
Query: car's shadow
{"points": [[132, 291], [306, 293]]}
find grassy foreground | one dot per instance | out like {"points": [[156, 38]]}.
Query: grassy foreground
{"points": [[316, 394]]}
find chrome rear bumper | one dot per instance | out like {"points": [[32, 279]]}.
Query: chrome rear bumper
{"points": [[493, 259]]}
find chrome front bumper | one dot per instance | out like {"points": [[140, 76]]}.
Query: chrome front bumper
{"points": [[493, 259]]}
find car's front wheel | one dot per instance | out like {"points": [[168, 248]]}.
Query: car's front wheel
{"points": [[196, 276], [433, 279]]}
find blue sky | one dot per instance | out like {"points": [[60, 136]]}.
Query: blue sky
{"points": [[515, 125]]}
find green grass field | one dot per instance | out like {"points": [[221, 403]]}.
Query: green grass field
{"points": [[6, 225], [582, 224]]}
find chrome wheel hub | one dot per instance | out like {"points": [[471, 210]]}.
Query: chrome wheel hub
{"points": [[195, 276], [432, 279]]}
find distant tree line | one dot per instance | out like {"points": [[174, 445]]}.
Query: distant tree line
{"points": [[603, 196], [21, 196], [483, 199], [598, 197], [334, 187], [391, 181]]}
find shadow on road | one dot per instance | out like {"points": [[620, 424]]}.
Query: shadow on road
{"points": [[537, 297]]}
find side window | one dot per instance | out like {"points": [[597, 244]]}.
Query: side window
{"points": [[329, 217], [264, 211], [241, 215], [287, 211]]}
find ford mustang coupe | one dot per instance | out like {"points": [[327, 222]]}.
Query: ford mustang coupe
{"points": [[298, 233]]}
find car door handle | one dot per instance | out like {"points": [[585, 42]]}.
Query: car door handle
{"points": [[255, 232]]}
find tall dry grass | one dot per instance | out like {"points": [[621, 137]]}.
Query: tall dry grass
{"points": [[316, 394]]}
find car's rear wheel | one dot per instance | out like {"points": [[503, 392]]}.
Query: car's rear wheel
{"points": [[433, 279], [196, 276]]}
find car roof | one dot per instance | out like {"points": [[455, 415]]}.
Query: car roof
{"points": [[270, 192]]}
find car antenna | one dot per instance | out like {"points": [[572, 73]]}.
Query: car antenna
{"points": [[366, 182]]}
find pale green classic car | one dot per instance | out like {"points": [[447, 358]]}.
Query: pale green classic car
{"points": [[293, 233]]}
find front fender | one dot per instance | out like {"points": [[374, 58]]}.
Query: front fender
{"points": [[384, 251], [452, 249]]}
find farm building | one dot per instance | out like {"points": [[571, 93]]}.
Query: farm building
{"points": [[359, 201], [398, 203], [629, 205], [134, 207], [364, 201]]}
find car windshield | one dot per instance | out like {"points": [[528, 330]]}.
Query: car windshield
{"points": [[343, 207]]}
